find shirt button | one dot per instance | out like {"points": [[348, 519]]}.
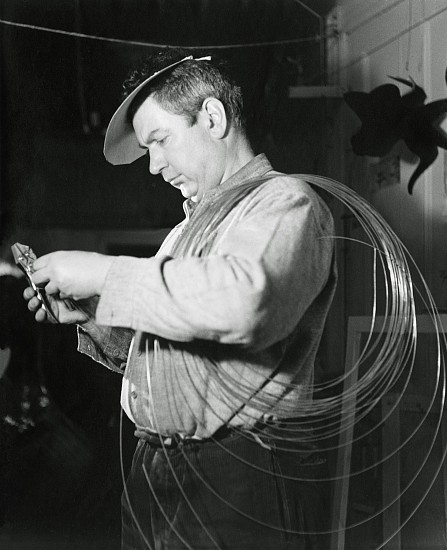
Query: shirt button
{"points": [[116, 352], [133, 394], [89, 347]]}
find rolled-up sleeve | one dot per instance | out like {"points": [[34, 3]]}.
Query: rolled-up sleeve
{"points": [[266, 267]]}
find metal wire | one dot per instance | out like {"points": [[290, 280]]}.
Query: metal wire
{"points": [[387, 359]]}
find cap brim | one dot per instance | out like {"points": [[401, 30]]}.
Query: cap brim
{"points": [[120, 144]]}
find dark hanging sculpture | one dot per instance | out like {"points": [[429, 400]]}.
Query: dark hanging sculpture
{"points": [[387, 117]]}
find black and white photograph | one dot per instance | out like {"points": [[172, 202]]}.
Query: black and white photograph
{"points": [[223, 274]]}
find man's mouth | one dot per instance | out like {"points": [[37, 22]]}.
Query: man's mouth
{"points": [[174, 181]]}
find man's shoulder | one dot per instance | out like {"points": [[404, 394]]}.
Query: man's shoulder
{"points": [[289, 186], [294, 183], [294, 189]]}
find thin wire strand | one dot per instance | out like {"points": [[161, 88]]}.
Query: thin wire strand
{"points": [[315, 38]]}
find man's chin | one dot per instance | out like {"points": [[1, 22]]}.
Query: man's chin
{"points": [[187, 194]]}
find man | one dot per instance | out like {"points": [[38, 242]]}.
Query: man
{"points": [[216, 336]]}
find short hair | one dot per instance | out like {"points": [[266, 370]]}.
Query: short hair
{"points": [[183, 89]]}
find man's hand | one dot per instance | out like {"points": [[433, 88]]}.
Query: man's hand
{"points": [[62, 310], [71, 274]]}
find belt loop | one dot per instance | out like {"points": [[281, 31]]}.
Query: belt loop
{"points": [[177, 440]]}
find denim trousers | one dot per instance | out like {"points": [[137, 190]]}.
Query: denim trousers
{"points": [[233, 494]]}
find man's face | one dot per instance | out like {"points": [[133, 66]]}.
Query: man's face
{"points": [[188, 157]]}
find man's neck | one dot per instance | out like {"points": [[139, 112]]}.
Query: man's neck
{"points": [[239, 154]]}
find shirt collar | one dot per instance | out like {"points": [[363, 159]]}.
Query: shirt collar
{"points": [[257, 167]]}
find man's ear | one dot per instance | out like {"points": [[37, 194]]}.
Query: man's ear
{"points": [[215, 117]]}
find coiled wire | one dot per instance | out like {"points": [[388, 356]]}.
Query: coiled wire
{"points": [[386, 361]]}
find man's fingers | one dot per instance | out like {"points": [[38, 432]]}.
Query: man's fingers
{"points": [[51, 288], [28, 293], [41, 315], [40, 262], [40, 277], [34, 304]]}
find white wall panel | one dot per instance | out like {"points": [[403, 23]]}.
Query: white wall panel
{"points": [[434, 7], [400, 38], [405, 38], [435, 192]]}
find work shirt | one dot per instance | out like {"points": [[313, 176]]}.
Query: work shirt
{"points": [[229, 337]]}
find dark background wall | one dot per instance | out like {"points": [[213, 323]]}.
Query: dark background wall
{"points": [[58, 93]]}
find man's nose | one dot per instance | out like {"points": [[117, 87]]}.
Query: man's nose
{"points": [[156, 162]]}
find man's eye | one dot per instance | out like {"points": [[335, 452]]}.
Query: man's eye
{"points": [[161, 141]]}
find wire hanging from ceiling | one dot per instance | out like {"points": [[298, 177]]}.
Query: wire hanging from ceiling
{"points": [[315, 38]]}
